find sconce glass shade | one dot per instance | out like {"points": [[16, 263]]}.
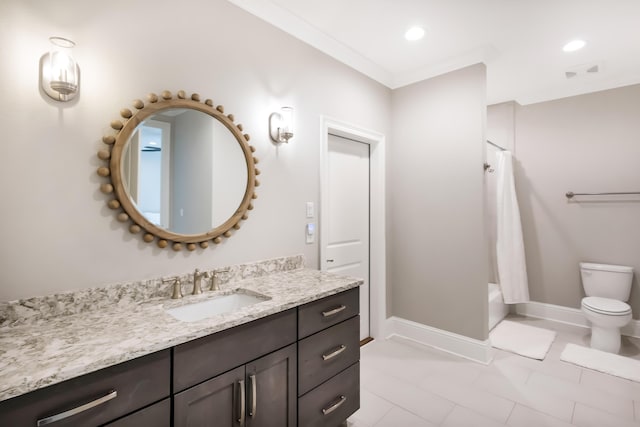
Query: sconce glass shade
{"points": [[60, 74], [281, 125]]}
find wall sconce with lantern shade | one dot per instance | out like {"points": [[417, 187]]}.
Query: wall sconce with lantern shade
{"points": [[281, 125], [60, 74]]}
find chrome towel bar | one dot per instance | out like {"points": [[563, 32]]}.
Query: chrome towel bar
{"points": [[570, 194]]}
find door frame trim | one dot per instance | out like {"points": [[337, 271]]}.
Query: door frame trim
{"points": [[377, 235]]}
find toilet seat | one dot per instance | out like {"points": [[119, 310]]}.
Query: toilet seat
{"points": [[608, 306]]}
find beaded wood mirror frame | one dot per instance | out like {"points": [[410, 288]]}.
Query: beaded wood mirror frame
{"points": [[126, 208]]}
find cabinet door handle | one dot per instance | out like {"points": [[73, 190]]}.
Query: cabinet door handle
{"points": [[333, 407], [252, 380], [334, 311], [71, 412], [334, 353], [241, 400]]}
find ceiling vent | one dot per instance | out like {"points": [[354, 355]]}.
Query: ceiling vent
{"points": [[584, 70]]}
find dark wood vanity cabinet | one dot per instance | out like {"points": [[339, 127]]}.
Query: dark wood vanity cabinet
{"points": [[204, 358], [93, 399], [326, 312], [261, 393], [333, 401], [328, 360], [294, 368], [313, 381], [241, 377]]}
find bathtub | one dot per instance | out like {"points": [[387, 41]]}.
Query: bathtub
{"points": [[497, 308]]}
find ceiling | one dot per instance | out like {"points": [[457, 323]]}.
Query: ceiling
{"points": [[520, 41]]}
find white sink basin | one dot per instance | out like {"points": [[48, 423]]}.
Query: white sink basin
{"points": [[214, 306]]}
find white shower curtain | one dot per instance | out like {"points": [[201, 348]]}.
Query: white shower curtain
{"points": [[512, 268]]}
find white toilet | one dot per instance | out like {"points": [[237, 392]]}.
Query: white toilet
{"points": [[606, 287]]}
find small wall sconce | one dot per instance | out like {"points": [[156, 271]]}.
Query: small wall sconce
{"points": [[60, 75], [281, 125]]}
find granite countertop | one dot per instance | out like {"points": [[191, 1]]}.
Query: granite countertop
{"points": [[38, 354]]}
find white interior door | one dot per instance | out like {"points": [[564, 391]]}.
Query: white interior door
{"points": [[346, 249]]}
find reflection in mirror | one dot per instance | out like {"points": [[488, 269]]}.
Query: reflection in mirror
{"points": [[146, 170], [184, 171]]}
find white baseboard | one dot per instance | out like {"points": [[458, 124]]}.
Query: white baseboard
{"points": [[460, 345], [571, 316], [480, 351]]}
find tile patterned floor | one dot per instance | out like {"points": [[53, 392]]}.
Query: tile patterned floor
{"points": [[406, 384]]}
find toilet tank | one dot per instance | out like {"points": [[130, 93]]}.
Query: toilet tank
{"points": [[607, 281]]}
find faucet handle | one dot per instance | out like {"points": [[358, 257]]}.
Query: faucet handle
{"points": [[215, 285], [177, 287]]}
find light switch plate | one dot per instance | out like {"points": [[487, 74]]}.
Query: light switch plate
{"points": [[310, 210], [310, 233]]}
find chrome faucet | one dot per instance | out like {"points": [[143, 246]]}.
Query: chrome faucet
{"points": [[197, 278], [215, 282]]}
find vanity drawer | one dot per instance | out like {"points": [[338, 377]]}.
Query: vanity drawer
{"points": [[332, 402], [198, 360], [157, 415], [328, 352], [97, 398], [318, 315]]}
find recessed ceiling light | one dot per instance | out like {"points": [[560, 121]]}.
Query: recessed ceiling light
{"points": [[574, 45], [414, 33]]}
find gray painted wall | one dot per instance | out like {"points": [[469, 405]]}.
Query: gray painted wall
{"points": [[58, 232], [58, 220], [437, 250], [587, 143], [501, 129]]}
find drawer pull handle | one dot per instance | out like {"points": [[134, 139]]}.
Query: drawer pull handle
{"points": [[330, 409], [241, 411], [71, 412], [334, 311], [252, 379], [334, 353]]}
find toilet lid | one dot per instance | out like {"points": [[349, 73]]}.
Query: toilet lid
{"points": [[606, 305]]}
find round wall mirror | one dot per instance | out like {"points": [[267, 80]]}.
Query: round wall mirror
{"points": [[181, 170]]}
